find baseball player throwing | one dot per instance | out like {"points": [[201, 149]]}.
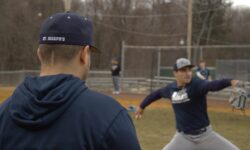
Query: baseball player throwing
{"points": [[188, 98]]}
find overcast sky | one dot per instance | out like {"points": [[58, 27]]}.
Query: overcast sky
{"points": [[245, 3]]}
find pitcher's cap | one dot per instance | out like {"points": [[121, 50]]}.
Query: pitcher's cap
{"points": [[182, 63]]}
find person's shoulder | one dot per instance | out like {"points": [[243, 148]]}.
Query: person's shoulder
{"points": [[98, 95], [3, 106], [197, 81], [167, 87], [92, 104], [170, 86], [93, 98]]}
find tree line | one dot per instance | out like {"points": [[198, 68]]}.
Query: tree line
{"points": [[148, 22]]}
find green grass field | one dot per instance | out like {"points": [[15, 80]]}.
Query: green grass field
{"points": [[157, 127]]}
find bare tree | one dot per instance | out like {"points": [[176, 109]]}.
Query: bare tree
{"points": [[20, 31]]}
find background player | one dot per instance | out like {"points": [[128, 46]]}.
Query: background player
{"points": [[115, 72], [203, 72], [188, 98]]}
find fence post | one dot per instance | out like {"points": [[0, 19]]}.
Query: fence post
{"points": [[159, 62], [152, 71], [122, 59], [201, 53]]}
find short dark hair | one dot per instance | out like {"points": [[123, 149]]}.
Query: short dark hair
{"points": [[60, 53], [202, 61]]}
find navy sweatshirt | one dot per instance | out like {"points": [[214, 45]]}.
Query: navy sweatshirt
{"points": [[59, 112], [189, 103]]}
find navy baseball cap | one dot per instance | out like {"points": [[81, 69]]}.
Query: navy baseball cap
{"points": [[67, 29], [182, 63]]}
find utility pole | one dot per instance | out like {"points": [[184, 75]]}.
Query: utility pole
{"points": [[67, 5], [122, 59], [189, 28]]}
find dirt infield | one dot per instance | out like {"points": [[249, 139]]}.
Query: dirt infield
{"points": [[127, 99], [5, 93]]}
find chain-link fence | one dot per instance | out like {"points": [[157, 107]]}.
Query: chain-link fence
{"points": [[237, 69], [151, 61], [13, 78], [143, 65]]}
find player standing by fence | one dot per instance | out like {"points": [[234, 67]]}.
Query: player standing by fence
{"points": [[115, 72], [203, 72]]}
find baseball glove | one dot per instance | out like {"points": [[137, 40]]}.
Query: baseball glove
{"points": [[238, 98]]}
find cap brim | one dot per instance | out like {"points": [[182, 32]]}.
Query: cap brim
{"points": [[94, 49], [188, 66]]}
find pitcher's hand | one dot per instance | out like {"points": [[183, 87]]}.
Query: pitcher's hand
{"points": [[138, 113]]}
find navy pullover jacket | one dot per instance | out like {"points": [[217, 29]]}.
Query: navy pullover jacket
{"points": [[59, 112], [189, 103]]}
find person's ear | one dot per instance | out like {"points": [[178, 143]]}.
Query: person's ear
{"points": [[175, 72], [84, 54], [38, 52]]}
